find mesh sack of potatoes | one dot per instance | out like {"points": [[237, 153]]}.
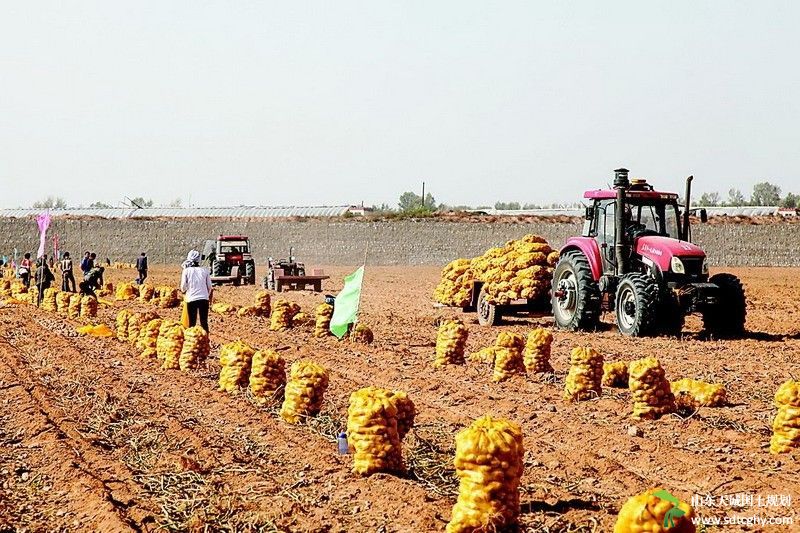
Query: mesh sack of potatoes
{"points": [[362, 333], [518, 270], [267, 376], [322, 319], [655, 511], [5, 288], [281, 318], [373, 431], [262, 302], [125, 291], [88, 307], [161, 342], [17, 287], [302, 319], [235, 359], [484, 355], [786, 425], [508, 359], [146, 293], [74, 307], [148, 339], [650, 390], [223, 308], [584, 380], [304, 392], [615, 374], [168, 297], [552, 258], [170, 342], [450, 342], [692, 393], [489, 455], [31, 296], [536, 356], [49, 300], [62, 302], [406, 413], [121, 324], [248, 310], [195, 348], [455, 287], [137, 321]]}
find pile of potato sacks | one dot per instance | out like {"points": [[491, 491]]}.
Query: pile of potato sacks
{"points": [[489, 465], [521, 269], [377, 422], [125, 291]]}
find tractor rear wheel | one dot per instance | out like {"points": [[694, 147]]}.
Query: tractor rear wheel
{"points": [[250, 273], [217, 268], [636, 305], [727, 317], [488, 313], [576, 296], [670, 317]]}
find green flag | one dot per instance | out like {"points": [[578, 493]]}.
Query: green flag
{"points": [[345, 309]]}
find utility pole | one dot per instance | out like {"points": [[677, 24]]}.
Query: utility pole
{"points": [[423, 195]]}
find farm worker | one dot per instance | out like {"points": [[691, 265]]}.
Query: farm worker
{"points": [[91, 281], [196, 285], [92, 265], [86, 264], [25, 269], [67, 277], [44, 277], [141, 267]]}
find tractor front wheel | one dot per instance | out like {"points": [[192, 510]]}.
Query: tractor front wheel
{"points": [[576, 296], [727, 317], [636, 305]]}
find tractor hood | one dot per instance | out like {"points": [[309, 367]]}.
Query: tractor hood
{"points": [[661, 250]]}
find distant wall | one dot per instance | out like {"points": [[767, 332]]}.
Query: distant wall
{"points": [[343, 241]]}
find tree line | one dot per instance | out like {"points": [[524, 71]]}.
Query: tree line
{"points": [[764, 193]]}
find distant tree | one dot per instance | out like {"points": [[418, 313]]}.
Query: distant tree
{"points": [[383, 208], [141, 202], [709, 199], [735, 198], [765, 193], [791, 200], [530, 206], [177, 202], [511, 206], [99, 205], [410, 201], [50, 203]]}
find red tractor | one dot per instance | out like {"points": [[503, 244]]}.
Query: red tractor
{"points": [[635, 257], [227, 252]]}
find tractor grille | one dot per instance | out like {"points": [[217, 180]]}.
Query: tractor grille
{"points": [[693, 265]]}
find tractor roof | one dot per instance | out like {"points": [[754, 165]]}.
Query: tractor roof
{"points": [[232, 238], [607, 194]]}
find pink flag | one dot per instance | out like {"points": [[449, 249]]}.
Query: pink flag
{"points": [[43, 222]]}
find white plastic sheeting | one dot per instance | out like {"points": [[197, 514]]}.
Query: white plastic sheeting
{"points": [[184, 212]]}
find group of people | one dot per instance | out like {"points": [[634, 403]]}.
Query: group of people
{"points": [[195, 279]]}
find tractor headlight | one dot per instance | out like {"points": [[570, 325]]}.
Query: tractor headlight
{"points": [[705, 266], [677, 265]]}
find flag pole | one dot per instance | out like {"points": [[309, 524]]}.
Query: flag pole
{"points": [[361, 292]]}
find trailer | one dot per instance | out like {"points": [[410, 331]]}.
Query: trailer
{"points": [[490, 314]]}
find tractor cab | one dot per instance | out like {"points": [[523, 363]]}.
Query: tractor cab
{"points": [[230, 257]]}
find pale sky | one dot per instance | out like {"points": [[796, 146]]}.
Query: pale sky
{"points": [[311, 103]]}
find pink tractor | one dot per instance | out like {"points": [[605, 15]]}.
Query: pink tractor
{"points": [[635, 257]]}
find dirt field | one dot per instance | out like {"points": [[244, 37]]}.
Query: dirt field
{"points": [[93, 438]]}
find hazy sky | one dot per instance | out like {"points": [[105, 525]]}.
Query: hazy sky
{"points": [[309, 103]]}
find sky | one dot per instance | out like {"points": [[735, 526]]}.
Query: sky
{"points": [[330, 103]]}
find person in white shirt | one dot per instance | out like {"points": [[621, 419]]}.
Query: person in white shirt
{"points": [[196, 285]]}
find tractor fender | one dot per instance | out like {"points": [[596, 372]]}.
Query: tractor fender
{"points": [[588, 247]]}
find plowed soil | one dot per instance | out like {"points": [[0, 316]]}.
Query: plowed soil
{"points": [[93, 438]]}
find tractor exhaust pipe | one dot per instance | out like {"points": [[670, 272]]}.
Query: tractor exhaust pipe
{"points": [[686, 209], [621, 184]]}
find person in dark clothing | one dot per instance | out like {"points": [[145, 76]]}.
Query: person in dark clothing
{"points": [[67, 277], [91, 281], [86, 263], [92, 265], [44, 277], [141, 267]]}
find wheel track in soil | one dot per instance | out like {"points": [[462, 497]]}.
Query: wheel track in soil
{"points": [[289, 438]]}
